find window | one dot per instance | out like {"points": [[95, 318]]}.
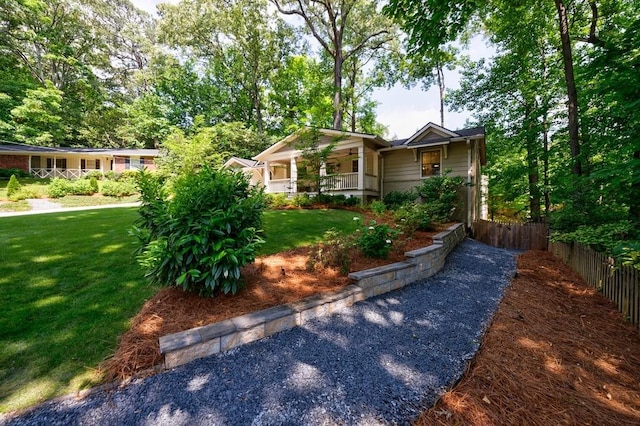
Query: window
{"points": [[430, 163], [354, 166], [83, 164], [133, 163], [97, 164], [61, 163]]}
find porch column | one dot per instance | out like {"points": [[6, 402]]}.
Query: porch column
{"points": [[55, 168], [294, 176], [361, 168], [267, 176]]}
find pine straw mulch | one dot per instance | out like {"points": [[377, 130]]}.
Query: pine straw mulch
{"points": [[172, 310], [557, 352]]}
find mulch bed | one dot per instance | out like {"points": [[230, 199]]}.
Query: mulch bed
{"points": [[172, 310], [557, 352]]}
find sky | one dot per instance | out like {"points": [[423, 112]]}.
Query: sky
{"points": [[403, 111]]}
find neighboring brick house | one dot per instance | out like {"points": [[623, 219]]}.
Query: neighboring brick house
{"points": [[71, 163]]}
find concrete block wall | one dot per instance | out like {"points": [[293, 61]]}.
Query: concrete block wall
{"points": [[185, 346]]}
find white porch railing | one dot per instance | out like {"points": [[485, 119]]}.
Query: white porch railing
{"points": [[61, 173], [280, 185], [341, 182]]}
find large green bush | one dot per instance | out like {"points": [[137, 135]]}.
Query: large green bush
{"points": [[440, 195], [396, 199], [112, 188], [58, 188], [200, 237], [13, 186]]}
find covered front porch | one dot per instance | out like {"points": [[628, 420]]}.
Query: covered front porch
{"points": [[350, 170]]}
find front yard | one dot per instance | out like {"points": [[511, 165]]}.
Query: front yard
{"points": [[71, 285]]}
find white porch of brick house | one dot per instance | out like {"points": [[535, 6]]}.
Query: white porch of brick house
{"points": [[281, 172]]}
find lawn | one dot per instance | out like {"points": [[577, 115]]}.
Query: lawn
{"points": [[70, 286], [39, 186]]}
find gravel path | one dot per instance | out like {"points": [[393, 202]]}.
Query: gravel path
{"points": [[379, 362]]}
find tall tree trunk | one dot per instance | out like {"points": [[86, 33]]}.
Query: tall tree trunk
{"points": [[545, 158], [634, 202], [352, 88], [338, 61], [440, 73], [572, 92], [532, 168]]}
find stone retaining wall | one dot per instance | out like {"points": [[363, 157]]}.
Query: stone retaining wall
{"points": [[180, 348]]}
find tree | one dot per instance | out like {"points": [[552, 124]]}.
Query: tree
{"points": [[241, 41], [315, 154], [38, 119], [344, 28], [208, 147]]}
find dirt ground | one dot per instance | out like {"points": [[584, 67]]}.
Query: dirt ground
{"points": [[557, 352], [270, 281]]}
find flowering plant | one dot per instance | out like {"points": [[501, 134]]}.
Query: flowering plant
{"points": [[376, 240]]}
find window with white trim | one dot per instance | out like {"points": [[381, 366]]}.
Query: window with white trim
{"points": [[431, 163]]}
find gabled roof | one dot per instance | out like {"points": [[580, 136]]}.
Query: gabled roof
{"points": [[242, 162], [442, 135], [327, 132]]}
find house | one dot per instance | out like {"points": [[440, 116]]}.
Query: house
{"points": [[369, 167], [71, 163], [252, 168]]}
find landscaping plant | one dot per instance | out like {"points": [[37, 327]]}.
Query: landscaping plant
{"points": [[13, 186], [376, 240], [440, 194], [203, 234]]}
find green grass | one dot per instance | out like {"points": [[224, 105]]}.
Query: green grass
{"points": [[288, 229], [70, 285], [17, 206]]}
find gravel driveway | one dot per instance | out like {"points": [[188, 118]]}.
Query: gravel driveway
{"points": [[378, 362]]}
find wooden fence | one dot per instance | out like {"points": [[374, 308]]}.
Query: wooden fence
{"points": [[619, 283], [518, 236]]}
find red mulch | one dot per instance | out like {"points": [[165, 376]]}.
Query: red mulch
{"points": [[557, 352]]}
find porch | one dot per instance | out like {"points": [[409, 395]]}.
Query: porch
{"points": [[352, 171], [61, 173]]}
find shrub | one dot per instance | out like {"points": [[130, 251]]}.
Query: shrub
{"points": [[440, 195], [118, 189], [276, 201], [352, 201], [93, 182], [111, 175], [376, 240], [23, 194], [7, 173], [396, 199], [377, 207], [128, 176], [201, 237], [96, 174], [412, 217], [58, 188], [13, 186], [81, 187], [334, 251], [302, 200]]}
